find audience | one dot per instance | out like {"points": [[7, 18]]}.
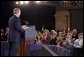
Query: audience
{"points": [[69, 40]]}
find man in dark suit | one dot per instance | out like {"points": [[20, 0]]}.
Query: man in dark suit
{"points": [[14, 32]]}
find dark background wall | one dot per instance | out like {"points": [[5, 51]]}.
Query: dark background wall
{"points": [[76, 17], [37, 15]]}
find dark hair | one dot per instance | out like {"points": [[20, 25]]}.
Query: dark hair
{"points": [[61, 43]]}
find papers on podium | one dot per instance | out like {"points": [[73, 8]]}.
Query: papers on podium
{"points": [[25, 27]]}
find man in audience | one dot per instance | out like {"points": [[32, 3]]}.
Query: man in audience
{"points": [[74, 34], [78, 45], [3, 38], [53, 37], [4, 44]]}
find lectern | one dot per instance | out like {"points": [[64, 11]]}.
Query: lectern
{"points": [[30, 33], [29, 36]]}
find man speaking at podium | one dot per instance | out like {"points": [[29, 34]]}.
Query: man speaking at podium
{"points": [[14, 32]]}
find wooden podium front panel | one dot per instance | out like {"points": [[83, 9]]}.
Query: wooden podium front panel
{"points": [[24, 47]]}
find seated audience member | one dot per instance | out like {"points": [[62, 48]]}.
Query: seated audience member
{"points": [[53, 37], [68, 42], [78, 43], [60, 44], [46, 31], [5, 43], [46, 36], [64, 32], [60, 36], [69, 38], [7, 33], [74, 34], [58, 40], [3, 38], [39, 38], [2, 32], [44, 40]]}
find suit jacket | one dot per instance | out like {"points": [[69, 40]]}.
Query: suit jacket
{"points": [[14, 29]]}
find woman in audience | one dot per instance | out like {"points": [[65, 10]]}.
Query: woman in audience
{"points": [[46, 37], [69, 38], [60, 36], [38, 38]]}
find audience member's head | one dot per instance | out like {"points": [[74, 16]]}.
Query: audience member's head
{"points": [[53, 34], [26, 23], [64, 42], [74, 31], [46, 31], [60, 34], [60, 43], [2, 30], [78, 43], [7, 29], [69, 35], [80, 35], [44, 35]]}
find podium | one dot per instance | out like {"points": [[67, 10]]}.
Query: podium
{"points": [[29, 36], [30, 33]]}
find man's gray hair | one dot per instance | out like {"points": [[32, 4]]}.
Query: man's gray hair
{"points": [[16, 10]]}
